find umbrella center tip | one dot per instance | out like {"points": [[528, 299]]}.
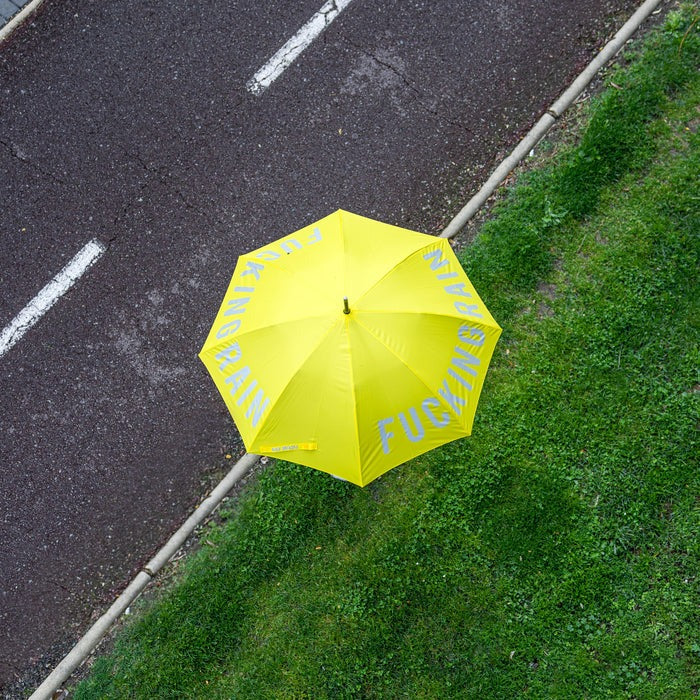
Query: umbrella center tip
{"points": [[346, 307]]}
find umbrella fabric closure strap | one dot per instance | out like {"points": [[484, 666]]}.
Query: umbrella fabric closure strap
{"points": [[351, 346], [273, 449]]}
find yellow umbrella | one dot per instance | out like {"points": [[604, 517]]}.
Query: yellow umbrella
{"points": [[350, 346]]}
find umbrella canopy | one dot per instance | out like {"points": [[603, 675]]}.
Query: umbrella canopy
{"points": [[350, 346]]}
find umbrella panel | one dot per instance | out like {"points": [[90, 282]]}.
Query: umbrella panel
{"points": [[351, 394]]}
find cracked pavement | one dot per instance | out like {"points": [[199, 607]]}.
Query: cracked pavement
{"points": [[132, 124]]}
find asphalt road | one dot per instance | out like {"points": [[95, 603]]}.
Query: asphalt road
{"points": [[130, 122]]}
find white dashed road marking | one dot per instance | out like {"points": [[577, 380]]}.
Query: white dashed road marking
{"points": [[50, 294], [291, 50]]}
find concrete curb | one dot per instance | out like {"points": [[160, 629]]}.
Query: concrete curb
{"points": [[548, 119], [94, 635], [19, 18]]}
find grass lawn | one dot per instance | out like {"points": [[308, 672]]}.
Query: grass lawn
{"points": [[553, 554]]}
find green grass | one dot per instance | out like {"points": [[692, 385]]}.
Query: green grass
{"points": [[555, 553]]}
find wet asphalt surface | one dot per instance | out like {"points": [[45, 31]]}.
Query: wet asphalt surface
{"points": [[130, 122]]}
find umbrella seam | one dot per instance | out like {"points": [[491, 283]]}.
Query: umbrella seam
{"points": [[250, 331], [410, 369], [358, 459], [355, 408], [454, 317], [400, 262], [291, 379], [344, 267]]}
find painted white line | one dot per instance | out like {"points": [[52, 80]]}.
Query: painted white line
{"points": [[291, 50], [50, 294]]}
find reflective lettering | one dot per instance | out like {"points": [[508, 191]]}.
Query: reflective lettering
{"points": [[246, 393], [426, 406], [253, 268], [287, 245], [228, 356], [237, 379], [459, 289], [467, 309], [455, 401], [466, 335], [468, 359], [257, 407], [460, 379], [228, 328], [236, 306], [435, 258], [385, 434], [419, 433]]}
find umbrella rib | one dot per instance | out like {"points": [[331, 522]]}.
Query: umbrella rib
{"points": [[407, 366], [485, 323], [296, 373], [358, 456], [354, 415], [453, 317], [389, 272], [275, 324]]}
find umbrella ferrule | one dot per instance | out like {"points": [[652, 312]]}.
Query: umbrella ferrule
{"points": [[346, 307]]}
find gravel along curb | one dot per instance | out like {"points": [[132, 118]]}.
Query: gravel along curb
{"points": [[92, 637], [15, 12], [548, 119]]}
